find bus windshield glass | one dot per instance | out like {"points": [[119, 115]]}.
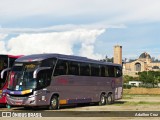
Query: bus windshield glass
{"points": [[21, 76], [3, 65]]}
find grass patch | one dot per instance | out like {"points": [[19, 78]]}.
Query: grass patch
{"points": [[142, 103], [131, 96], [139, 95], [127, 97], [142, 91]]}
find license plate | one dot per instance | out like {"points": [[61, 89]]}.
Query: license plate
{"points": [[18, 103]]}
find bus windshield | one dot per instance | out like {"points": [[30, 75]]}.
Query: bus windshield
{"points": [[3, 65], [21, 77]]}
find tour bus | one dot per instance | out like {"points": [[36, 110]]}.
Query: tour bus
{"points": [[6, 61], [54, 80]]}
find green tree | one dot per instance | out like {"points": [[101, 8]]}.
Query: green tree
{"points": [[151, 77], [106, 59], [127, 78]]}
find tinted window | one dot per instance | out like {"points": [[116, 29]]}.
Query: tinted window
{"points": [[84, 69], [2, 81], [104, 71], [73, 68], [48, 62], [111, 71], [44, 78], [11, 61], [118, 71], [17, 67], [3, 64], [95, 70], [61, 68]]}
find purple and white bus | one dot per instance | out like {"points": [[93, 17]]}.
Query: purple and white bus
{"points": [[53, 80]]}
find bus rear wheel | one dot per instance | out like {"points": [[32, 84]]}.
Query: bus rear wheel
{"points": [[54, 103], [109, 99], [102, 99]]}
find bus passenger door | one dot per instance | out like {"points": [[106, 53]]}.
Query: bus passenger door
{"points": [[43, 80], [118, 93]]}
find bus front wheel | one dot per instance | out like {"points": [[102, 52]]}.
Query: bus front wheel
{"points": [[54, 103], [102, 99]]}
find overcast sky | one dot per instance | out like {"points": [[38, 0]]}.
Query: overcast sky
{"points": [[80, 27]]}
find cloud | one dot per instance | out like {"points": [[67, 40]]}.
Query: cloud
{"points": [[113, 11], [2, 43], [61, 28], [2, 47], [87, 50], [66, 17], [56, 42], [2, 36]]}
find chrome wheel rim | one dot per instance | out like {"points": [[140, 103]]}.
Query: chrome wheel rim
{"points": [[54, 102], [103, 99], [109, 99]]}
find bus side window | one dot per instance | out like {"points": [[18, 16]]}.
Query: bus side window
{"points": [[85, 69], [95, 70], [61, 68], [48, 62], [111, 71], [118, 71], [104, 71], [73, 68], [1, 64]]}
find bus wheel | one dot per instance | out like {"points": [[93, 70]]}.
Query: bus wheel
{"points": [[109, 99], [54, 103], [102, 99]]}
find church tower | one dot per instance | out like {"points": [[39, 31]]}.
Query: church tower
{"points": [[117, 54]]}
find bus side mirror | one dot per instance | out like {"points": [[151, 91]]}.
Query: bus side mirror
{"points": [[35, 73], [3, 71]]}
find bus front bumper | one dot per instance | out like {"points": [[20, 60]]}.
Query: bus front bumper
{"points": [[21, 101]]}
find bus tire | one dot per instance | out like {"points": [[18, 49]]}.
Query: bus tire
{"points": [[54, 103], [109, 99], [102, 100]]}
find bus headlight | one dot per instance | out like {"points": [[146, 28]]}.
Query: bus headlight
{"points": [[32, 101], [35, 94]]}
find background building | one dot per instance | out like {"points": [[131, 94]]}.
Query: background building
{"points": [[143, 63], [117, 54]]}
